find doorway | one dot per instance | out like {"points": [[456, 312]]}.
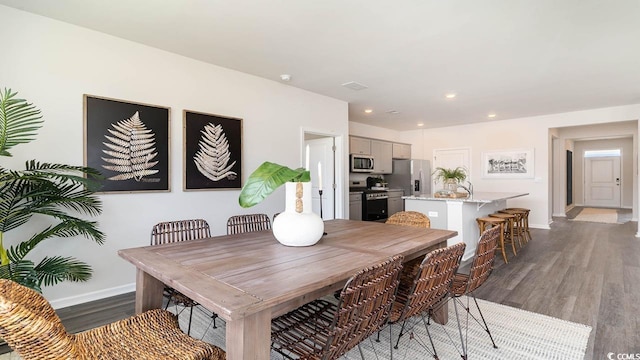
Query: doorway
{"points": [[451, 159], [602, 181], [326, 152]]}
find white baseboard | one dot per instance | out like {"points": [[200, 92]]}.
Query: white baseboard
{"points": [[93, 296], [560, 215], [540, 226]]}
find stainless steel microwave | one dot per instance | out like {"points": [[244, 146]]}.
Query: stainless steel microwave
{"points": [[362, 163]]}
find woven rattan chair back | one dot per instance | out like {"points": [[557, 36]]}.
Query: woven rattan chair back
{"points": [[431, 284], [30, 325], [364, 306], [410, 218], [239, 224], [482, 264], [323, 330], [180, 230]]}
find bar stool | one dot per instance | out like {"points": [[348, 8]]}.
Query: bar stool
{"points": [[525, 220], [509, 229], [519, 223], [485, 223]]}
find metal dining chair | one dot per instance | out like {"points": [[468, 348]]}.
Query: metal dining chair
{"points": [[239, 224], [32, 328], [466, 284], [323, 330], [427, 291], [176, 231]]}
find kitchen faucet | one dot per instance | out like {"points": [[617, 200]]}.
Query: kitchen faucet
{"points": [[468, 189]]}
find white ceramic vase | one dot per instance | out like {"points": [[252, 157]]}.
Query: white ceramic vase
{"points": [[298, 225]]}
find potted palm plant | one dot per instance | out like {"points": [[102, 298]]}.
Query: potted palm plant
{"points": [[450, 178], [297, 225], [61, 193]]}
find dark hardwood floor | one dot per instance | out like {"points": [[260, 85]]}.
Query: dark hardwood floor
{"points": [[582, 272]]}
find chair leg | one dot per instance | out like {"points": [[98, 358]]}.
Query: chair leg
{"points": [[361, 353], [435, 354], [462, 342], [486, 327], [400, 335], [190, 318]]}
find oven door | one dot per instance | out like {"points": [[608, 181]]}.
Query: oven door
{"points": [[374, 209]]}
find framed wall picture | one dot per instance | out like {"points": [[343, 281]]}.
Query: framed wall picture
{"points": [[212, 152], [129, 143], [517, 163]]}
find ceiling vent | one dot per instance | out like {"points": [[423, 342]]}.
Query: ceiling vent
{"points": [[355, 85], [393, 112]]}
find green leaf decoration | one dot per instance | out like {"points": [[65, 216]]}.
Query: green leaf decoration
{"points": [[266, 179], [19, 121]]}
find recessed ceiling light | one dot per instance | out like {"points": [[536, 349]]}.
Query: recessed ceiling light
{"points": [[285, 77], [492, 115], [450, 95], [368, 111], [420, 124]]}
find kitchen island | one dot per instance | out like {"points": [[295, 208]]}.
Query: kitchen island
{"points": [[459, 214]]}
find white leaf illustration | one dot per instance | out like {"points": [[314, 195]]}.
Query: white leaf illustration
{"points": [[212, 159], [132, 148]]}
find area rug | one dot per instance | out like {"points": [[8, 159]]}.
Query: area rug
{"points": [[609, 216], [518, 334]]}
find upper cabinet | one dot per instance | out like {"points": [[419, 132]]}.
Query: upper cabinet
{"points": [[382, 152], [401, 151], [359, 146]]}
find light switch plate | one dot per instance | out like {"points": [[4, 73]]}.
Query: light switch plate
{"points": [[433, 214]]}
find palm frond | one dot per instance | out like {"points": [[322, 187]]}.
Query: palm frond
{"points": [[69, 228], [19, 121], [52, 270], [23, 272]]}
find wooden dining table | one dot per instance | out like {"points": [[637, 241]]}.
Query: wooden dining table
{"points": [[248, 279]]}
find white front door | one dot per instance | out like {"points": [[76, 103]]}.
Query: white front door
{"points": [[451, 159], [321, 151], [602, 181]]}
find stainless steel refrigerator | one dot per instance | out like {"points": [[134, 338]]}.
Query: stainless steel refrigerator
{"points": [[413, 176]]}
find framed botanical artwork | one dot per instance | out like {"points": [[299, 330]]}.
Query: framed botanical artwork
{"points": [[517, 163], [212, 152], [129, 143]]}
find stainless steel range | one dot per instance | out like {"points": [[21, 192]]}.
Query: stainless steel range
{"points": [[374, 205]]}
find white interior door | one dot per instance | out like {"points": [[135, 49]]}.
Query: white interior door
{"points": [[602, 181], [451, 159], [322, 151]]}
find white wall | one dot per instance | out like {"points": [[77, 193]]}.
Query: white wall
{"points": [[52, 64], [528, 133]]}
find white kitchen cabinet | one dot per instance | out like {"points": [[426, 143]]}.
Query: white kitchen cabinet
{"points": [[382, 152], [359, 146], [395, 202], [401, 151]]}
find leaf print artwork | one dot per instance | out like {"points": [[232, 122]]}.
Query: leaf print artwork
{"points": [[212, 159], [131, 150]]}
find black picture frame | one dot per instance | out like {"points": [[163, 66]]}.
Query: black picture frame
{"points": [[212, 151], [128, 143]]}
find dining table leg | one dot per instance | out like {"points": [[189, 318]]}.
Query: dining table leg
{"points": [[441, 314], [148, 292], [249, 337]]}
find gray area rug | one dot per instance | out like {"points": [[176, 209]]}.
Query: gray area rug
{"points": [[518, 334]]}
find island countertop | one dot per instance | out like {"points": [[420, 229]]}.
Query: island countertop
{"points": [[478, 197]]}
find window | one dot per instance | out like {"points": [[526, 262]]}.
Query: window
{"points": [[601, 153]]}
